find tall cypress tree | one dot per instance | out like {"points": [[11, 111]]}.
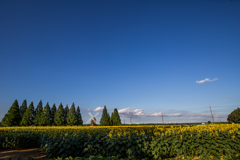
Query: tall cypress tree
{"points": [[28, 117], [45, 116], [111, 119], [5, 121], [13, 115], [105, 119], [53, 111], [38, 111], [66, 110], [72, 116], [23, 107], [79, 117], [59, 116], [116, 118]]}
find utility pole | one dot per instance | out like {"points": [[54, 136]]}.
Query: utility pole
{"points": [[124, 122], [162, 119], [212, 115]]}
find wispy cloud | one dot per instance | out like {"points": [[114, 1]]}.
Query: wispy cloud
{"points": [[87, 109], [206, 117], [157, 114], [98, 109], [206, 80], [126, 112]]}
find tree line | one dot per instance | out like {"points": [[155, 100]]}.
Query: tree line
{"points": [[51, 116], [47, 116]]}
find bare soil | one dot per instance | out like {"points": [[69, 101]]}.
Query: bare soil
{"points": [[22, 153]]}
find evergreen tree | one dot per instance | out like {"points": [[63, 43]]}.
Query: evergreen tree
{"points": [[79, 117], [234, 116], [116, 118], [38, 111], [111, 119], [72, 116], [45, 116], [66, 110], [28, 117], [23, 107], [53, 111], [59, 116], [5, 122], [13, 116], [105, 119]]}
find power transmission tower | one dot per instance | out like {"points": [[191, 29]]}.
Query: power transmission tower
{"points": [[162, 119], [212, 115]]}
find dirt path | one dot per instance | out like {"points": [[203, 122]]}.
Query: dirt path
{"points": [[22, 153]]}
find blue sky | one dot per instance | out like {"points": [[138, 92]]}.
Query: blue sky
{"points": [[144, 58]]}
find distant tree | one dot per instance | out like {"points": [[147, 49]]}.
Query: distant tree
{"points": [[59, 116], [13, 116], [23, 108], [209, 122], [72, 116], [116, 118], [28, 117], [53, 111], [105, 119], [111, 119], [234, 116], [5, 122], [66, 110], [45, 116], [79, 117], [38, 112]]}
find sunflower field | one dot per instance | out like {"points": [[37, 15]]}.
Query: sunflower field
{"points": [[134, 142]]}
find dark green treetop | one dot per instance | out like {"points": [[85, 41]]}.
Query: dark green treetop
{"points": [[66, 110], [38, 111], [79, 117], [23, 108], [105, 119], [234, 116], [59, 116], [53, 111], [116, 118], [13, 115], [45, 116], [28, 116], [72, 116], [5, 122]]}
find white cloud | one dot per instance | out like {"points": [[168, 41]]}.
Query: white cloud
{"points": [[206, 80], [207, 117], [157, 114], [87, 109], [126, 112], [98, 109]]}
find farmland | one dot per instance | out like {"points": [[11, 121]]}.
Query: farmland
{"points": [[135, 142]]}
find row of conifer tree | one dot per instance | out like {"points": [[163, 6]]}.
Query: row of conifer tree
{"points": [[26, 116], [51, 116]]}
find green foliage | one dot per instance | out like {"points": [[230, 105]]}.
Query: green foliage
{"points": [[45, 116], [105, 119], [234, 116], [53, 111], [209, 122], [72, 116], [59, 116], [23, 108], [13, 117], [79, 117], [111, 119], [28, 117], [39, 109], [116, 118], [66, 110]]}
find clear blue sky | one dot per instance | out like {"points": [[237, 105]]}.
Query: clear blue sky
{"points": [[142, 57]]}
